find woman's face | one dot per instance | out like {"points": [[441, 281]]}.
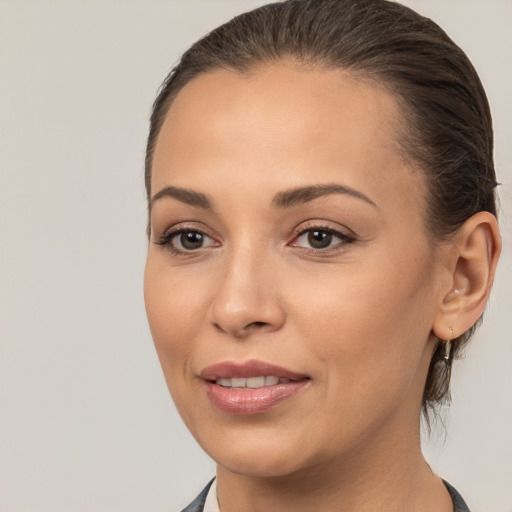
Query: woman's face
{"points": [[290, 284]]}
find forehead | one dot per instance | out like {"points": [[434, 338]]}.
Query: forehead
{"points": [[282, 121]]}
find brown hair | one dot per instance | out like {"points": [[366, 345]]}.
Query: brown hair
{"points": [[449, 129]]}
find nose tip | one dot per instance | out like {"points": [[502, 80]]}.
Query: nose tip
{"points": [[246, 301]]}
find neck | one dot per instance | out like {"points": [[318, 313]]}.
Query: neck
{"points": [[389, 473]]}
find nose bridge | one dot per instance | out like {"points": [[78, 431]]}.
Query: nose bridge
{"points": [[246, 298]]}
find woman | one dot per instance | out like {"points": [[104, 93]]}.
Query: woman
{"points": [[323, 241]]}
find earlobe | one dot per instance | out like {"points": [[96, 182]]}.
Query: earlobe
{"points": [[471, 262]]}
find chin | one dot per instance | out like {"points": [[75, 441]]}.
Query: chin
{"points": [[259, 466], [256, 458]]}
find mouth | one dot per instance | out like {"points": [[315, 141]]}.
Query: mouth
{"points": [[251, 382], [252, 387]]}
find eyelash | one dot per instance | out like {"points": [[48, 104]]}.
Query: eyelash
{"points": [[345, 238], [166, 238]]}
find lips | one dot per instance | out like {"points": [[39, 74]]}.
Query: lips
{"points": [[251, 368], [252, 387]]}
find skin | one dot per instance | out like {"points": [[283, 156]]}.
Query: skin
{"points": [[359, 317]]}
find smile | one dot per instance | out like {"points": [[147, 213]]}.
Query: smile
{"points": [[252, 387]]}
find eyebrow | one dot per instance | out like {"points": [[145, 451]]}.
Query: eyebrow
{"points": [[185, 196], [296, 196], [284, 199]]}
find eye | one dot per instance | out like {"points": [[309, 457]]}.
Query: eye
{"points": [[185, 240], [321, 238], [189, 240], [318, 239]]}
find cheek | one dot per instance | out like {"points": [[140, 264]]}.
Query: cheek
{"points": [[175, 311], [368, 325]]}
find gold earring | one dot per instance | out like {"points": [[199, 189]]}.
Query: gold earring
{"points": [[447, 349], [448, 346]]}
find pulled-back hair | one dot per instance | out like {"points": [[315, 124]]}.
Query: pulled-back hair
{"points": [[447, 128]]}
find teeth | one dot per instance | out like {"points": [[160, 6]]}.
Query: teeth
{"points": [[255, 382], [251, 382], [238, 382]]}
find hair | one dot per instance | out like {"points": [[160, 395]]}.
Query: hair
{"points": [[448, 132]]}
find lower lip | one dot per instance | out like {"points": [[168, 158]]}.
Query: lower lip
{"points": [[252, 401]]}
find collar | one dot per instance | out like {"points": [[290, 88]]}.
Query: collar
{"points": [[211, 504]]}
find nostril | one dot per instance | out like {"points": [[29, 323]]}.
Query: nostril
{"points": [[218, 327], [256, 324]]}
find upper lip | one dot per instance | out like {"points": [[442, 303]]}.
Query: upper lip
{"points": [[252, 368]]}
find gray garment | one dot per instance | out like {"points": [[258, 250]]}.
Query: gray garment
{"points": [[459, 505], [198, 504]]}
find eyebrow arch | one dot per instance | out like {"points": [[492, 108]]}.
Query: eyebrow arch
{"points": [[295, 196], [184, 195]]}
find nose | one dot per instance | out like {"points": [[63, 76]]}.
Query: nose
{"points": [[246, 300]]}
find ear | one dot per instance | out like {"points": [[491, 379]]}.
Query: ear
{"points": [[470, 260]]}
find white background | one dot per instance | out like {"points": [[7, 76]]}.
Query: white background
{"points": [[86, 423]]}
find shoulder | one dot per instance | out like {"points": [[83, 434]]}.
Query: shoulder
{"points": [[198, 504], [459, 505]]}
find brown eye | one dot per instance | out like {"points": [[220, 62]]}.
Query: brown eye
{"points": [[191, 240], [319, 239], [182, 241]]}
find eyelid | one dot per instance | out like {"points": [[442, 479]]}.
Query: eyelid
{"points": [[322, 225], [346, 236], [187, 226], [169, 234]]}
